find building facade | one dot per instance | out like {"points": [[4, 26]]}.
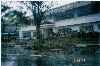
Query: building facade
{"points": [[27, 32], [77, 16]]}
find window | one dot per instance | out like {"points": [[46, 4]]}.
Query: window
{"points": [[34, 34], [87, 28], [98, 26], [67, 14], [60, 31], [26, 34], [67, 30], [84, 10], [96, 7]]}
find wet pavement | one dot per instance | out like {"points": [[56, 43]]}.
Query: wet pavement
{"points": [[87, 56]]}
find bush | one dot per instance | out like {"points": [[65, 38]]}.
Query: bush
{"points": [[89, 37], [62, 42]]}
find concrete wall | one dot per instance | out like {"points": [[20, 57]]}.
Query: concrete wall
{"points": [[27, 29], [76, 23], [68, 6], [78, 20], [77, 27]]}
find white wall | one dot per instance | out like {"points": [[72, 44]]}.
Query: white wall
{"points": [[55, 30], [29, 28], [77, 27], [78, 20]]}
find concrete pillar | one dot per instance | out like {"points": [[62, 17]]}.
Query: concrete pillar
{"points": [[55, 30], [31, 34], [45, 33], [20, 35]]}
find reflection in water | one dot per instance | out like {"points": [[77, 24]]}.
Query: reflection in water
{"points": [[8, 63], [78, 57]]}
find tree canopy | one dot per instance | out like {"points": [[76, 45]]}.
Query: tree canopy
{"points": [[38, 8], [7, 12]]}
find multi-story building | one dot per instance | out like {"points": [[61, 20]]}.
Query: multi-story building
{"points": [[77, 16], [81, 15]]}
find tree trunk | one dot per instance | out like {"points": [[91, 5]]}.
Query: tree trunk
{"points": [[38, 30]]}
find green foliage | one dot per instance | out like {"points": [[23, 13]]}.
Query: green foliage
{"points": [[89, 37], [4, 8], [10, 18], [38, 13], [64, 43], [38, 45], [21, 42], [55, 43], [20, 16]]}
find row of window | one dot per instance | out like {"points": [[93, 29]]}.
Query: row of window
{"points": [[64, 30], [27, 34], [82, 28], [86, 28], [79, 11], [68, 6]]}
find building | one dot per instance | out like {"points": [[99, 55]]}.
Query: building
{"points": [[77, 16], [47, 29], [27, 32]]}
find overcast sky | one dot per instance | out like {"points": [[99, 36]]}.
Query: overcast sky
{"points": [[16, 5]]}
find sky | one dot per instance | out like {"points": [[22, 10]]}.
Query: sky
{"points": [[16, 5]]}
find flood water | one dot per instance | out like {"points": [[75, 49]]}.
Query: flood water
{"points": [[80, 56]]}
